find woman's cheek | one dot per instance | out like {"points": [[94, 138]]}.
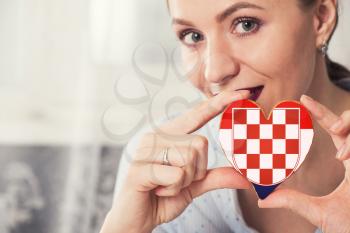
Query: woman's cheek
{"points": [[190, 60], [282, 64], [279, 68], [192, 66], [270, 59]]}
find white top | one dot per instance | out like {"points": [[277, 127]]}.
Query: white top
{"points": [[215, 211]]}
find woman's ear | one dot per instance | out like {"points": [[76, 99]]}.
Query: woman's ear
{"points": [[325, 20]]}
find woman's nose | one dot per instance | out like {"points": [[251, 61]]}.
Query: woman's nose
{"points": [[220, 66]]}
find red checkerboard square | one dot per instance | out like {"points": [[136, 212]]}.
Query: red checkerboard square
{"points": [[292, 146], [279, 131], [266, 146], [253, 131], [293, 116], [279, 161], [253, 161], [240, 116], [240, 146], [266, 176]]}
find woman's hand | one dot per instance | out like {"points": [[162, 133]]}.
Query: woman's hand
{"points": [[155, 193], [331, 213]]}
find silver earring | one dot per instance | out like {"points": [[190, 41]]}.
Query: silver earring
{"points": [[324, 48]]}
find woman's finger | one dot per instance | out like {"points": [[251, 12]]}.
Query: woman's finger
{"points": [[177, 156], [185, 158], [302, 204], [219, 178], [204, 112], [147, 176], [191, 155], [342, 126], [343, 155], [200, 143], [344, 151]]}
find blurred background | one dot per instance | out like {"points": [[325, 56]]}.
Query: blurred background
{"points": [[77, 79]]}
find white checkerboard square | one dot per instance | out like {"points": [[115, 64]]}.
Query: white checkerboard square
{"points": [[278, 175], [253, 146], [253, 174], [239, 131], [266, 161], [291, 160], [241, 160], [292, 131], [279, 146], [279, 116], [266, 131], [253, 116]]}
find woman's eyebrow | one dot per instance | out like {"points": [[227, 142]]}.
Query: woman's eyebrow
{"points": [[235, 7], [182, 22], [222, 16]]}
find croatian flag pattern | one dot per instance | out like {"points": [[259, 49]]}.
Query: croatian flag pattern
{"points": [[266, 150]]}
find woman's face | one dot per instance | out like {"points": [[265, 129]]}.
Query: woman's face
{"points": [[232, 44]]}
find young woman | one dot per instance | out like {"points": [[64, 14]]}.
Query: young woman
{"points": [[268, 51]]}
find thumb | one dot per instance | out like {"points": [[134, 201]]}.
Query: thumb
{"points": [[304, 205], [219, 178]]}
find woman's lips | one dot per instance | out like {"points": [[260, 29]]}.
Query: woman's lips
{"points": [[254, 92]]}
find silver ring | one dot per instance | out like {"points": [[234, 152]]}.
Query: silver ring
{"points": [[165, 156]]}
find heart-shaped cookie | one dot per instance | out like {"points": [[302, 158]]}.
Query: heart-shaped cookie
{"points": [[266, 150]]}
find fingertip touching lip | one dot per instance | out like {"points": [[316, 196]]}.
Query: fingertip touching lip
{"points": [[255, 92]]}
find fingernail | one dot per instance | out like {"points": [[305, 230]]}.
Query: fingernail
{"points": [[308, 98], [241, 93], [337, 126], [259, 203], [340, 152]]}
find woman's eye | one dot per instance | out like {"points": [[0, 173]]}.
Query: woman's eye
{"points": [[245, 26], [191, 38]]}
